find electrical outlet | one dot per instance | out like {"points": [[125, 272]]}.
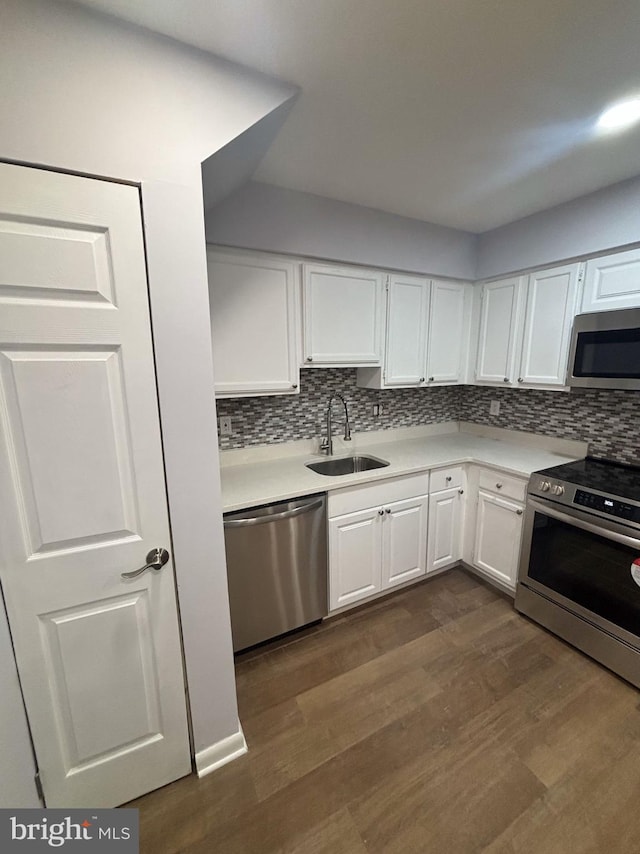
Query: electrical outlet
{"points": [[494, 407], [224, 423], [377, 410]]}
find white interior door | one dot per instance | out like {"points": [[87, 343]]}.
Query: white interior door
{"points": [[82, 492]]}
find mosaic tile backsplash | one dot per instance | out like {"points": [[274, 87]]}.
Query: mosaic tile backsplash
{"points": [[263, 420], [608, 420]]}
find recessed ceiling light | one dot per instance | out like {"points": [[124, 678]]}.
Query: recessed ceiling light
{"points": [[620, 115]]}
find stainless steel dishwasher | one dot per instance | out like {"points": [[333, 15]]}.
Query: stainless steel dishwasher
{"points": [[277, 568]]}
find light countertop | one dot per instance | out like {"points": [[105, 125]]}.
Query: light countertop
{"points": [[277, 478]]}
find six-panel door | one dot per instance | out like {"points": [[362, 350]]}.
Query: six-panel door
{"points": [[82, 492]]}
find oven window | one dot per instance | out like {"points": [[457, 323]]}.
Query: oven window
{"points": [[587, 569], [614, 353]]}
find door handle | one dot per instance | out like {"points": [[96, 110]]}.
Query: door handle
{"points": [[156, 559]]}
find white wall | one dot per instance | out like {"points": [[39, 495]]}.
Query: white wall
{"points": [[591, 224], [261, 216], [84, 93]]}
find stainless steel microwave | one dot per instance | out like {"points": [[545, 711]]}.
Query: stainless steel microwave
{"points": [[605, 350]]}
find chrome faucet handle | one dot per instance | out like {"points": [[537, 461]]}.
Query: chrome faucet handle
{"points": [[347, 432]]}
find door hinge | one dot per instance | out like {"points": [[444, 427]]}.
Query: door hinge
{"points": [[39, 788]]}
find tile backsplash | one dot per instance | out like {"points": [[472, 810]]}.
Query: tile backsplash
{"points": [[608, 420], [262, 420]]}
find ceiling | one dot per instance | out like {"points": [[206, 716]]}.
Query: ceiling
{"points": [[467, 113]]}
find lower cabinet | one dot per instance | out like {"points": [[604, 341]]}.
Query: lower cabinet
{"points": [[444, 542], [498, 526], [377, 538]]}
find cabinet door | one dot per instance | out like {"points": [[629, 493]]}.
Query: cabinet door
{"points": [[499, 319], [404, 539], [407, 310], [446, 332], [343, 314], [498, 532], [551, 305], [355, 556], [445, 529], [254, 321], [612, 282]]}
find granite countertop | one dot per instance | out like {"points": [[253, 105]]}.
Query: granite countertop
{"points": [[251, 482]]}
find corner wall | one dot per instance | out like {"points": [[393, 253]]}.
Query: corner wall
{"points": [[84, 93], [273, 219], [599, 222]]}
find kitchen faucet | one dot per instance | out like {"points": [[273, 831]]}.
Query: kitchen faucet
{"points": [[327, 442]]}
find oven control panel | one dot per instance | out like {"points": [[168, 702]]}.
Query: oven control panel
{"points": [[594, 501]]}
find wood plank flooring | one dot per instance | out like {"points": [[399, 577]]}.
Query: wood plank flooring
{"points": [[436, 720]]}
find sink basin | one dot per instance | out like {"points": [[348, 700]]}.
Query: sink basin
{"points": [[346, 465]]}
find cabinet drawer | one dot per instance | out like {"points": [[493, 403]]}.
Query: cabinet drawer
{"points": [[502, 484], [354, 498], [446, 478]]}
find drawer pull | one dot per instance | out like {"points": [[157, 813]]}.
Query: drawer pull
{"points": [[461, 491], [498, 485], [519, 512], [448, 478]]}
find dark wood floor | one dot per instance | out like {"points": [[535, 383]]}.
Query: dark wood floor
{"points": [[437, 720]]}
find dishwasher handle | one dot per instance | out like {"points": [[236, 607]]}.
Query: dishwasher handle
{"points": [[274, 517]]}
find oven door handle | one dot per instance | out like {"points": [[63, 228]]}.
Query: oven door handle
{"points": [[570, 519]]}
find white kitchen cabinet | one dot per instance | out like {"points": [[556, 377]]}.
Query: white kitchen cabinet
{"points": [[498, 533], [343, 316], [404, 541], [407, 318], [446, 501], [377, 538], [525, 328], [499, 315], [445, 528], [427, 334], [447, 339], [355, 556], [495, 525], [612, 281], [255, 318]]}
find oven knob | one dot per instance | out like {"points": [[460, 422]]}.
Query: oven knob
{"points": [[556, 489], [545, 486]]}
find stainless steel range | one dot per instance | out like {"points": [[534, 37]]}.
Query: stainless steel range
{"points": [[579, 572]]}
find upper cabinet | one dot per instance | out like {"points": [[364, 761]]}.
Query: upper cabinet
{"points": [[343, 316], [525, 328], [612, 282], [255, 317], [427, 334], [499, 314]]}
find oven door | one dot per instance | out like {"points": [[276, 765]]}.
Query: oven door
{"points": [[585, 564]]}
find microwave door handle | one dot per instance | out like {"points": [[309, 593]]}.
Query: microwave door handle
{"points": [[579, 522]]}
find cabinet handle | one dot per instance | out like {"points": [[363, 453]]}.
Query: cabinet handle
{"points": [[421, 379], [505, 380], [381, 512], [294, 385], [520, 380], [461, 491], [498, 485], [309, 359], [431, 379], [519, 512], [387, 510], [448, 478]]}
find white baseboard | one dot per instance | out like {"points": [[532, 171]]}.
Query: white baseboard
{"points": [[220, 753]]}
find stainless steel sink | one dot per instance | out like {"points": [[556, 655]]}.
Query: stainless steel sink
{"points": [[346, 465]]}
